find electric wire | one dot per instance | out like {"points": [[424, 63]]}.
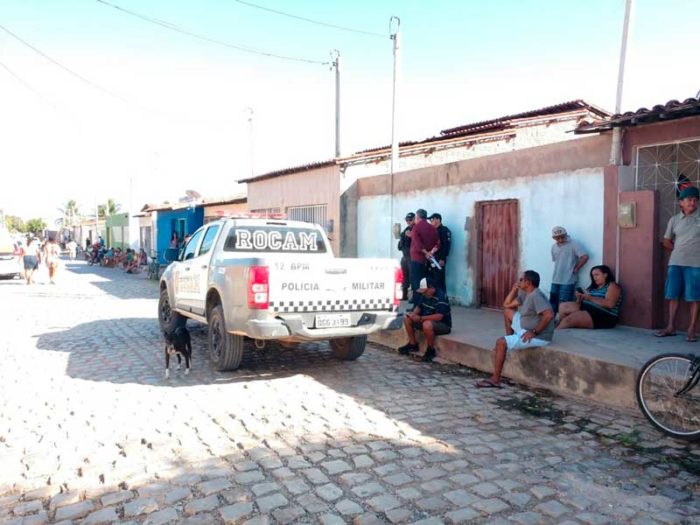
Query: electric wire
{"points": [[173, 27], [25, 83], [64, 68], [310, 20]]}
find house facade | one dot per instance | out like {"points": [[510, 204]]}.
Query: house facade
{"points": [[309, 193], [183, 219], [660, 151], [117, 231], [217, 208], [500, 209]]}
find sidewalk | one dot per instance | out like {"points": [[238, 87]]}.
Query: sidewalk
{"points": [[600, 365]]}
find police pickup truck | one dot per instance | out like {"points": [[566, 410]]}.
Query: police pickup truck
{"points": [[274, 279]]}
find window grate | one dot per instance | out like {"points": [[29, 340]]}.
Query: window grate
{"points": [[666, 168], [315, 214]]}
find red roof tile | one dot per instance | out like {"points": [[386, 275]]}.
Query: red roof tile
{"points": [[672, 110]]}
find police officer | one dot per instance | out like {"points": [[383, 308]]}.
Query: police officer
{"points": [[443, 251], [405, 248]]}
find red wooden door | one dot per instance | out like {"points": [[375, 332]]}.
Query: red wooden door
{"points": [[499, 253]]}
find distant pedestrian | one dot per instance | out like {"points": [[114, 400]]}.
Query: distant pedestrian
{"points": [[405, 248], [682, 239], [569, 258], [424, 241], [30, 259], [72, 249], [51, 258], [443, 251], [174, 240]]}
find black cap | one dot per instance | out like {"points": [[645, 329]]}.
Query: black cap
{"points": [[410, 216], [435, 216]]}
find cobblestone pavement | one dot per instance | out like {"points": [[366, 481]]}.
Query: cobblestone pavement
{"points": [[91, 432]]}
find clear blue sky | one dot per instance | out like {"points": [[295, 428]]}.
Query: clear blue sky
{"points": [[183, 125]]}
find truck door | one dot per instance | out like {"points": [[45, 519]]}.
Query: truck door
{"points": [[186, 279], [200, 268]]}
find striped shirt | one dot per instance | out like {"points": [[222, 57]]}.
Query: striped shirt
{"points": [[600, 293]]}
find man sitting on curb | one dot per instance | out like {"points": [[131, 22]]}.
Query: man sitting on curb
{"points": [[530, 326], [431, 315]]}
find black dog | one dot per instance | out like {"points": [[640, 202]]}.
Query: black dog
{"points": [[178, 343]]}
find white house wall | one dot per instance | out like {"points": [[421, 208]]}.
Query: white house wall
{"points": [[573, 199]]}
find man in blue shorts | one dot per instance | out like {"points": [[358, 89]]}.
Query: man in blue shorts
{"points": [[682, 238], [529, 322]]}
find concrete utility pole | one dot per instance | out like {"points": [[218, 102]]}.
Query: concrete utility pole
{"points": [[394, 22], [335, 63], [249, 110], [617, 133]]}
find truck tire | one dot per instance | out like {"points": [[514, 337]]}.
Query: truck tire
{"points": [[168, 319], [225, 350], [349, 348]]}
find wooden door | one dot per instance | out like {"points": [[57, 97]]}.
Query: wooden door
{"points": [[498, 250]]}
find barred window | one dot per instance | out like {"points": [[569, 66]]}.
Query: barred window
{"points": [[667, 168], [315, 214]]}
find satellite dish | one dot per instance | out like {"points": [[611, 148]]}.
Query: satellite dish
{"points": [[191, 194]]}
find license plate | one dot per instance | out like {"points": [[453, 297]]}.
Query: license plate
{"points": [[332, 320]]}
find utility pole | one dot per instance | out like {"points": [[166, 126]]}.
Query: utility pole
{"points": [[617, 133], [335, 63], [249, 111], [394, 22]]}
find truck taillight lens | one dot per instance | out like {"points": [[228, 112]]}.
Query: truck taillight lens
{"points": [[398, 286], [259, 287]]}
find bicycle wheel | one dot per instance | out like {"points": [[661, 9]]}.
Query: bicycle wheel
{"points": [[658, 382]]}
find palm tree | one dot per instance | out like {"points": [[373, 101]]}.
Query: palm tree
{"points": [[111, 208], [70, 213]]}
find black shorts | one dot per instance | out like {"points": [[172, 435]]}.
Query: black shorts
{"points": [[439, 328], [601, 318]]}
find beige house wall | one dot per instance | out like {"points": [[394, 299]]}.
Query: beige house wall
{"points": [[306, 188], [211, 213]]}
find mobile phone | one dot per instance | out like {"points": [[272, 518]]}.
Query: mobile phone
{"points": [[579, 289]]}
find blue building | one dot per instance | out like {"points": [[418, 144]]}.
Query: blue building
{"points": [[184, 221]]}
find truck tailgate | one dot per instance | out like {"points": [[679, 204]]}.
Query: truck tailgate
{"points": [[312, 284]]}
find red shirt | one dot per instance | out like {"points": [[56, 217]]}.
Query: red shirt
{"points": [[423, 237]]}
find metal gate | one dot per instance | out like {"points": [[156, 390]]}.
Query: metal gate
{"points": [[498, 250]]}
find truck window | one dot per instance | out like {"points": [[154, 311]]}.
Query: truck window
{"points": [[192, 246], [208, 240], [274, 239]]}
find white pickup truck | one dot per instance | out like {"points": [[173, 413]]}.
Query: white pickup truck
{"points": [[273, 279]]}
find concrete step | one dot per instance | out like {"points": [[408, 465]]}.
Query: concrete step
{"points": [[598, 365]]}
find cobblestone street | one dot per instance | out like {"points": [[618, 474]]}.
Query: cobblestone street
{"points": [[91, 432]]}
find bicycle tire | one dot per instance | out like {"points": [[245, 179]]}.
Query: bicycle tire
{"points": [[678, 417]]}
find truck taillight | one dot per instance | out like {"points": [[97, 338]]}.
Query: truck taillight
{"points": [[398, 286], [259, 287]]}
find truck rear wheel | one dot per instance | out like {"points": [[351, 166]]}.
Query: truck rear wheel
{"points": [[168, 318], [225, 350], [349, 348]]}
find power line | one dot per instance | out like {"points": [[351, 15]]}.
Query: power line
{"points": [[25, 84], [173, 27], [64, 68], [310, 20]]}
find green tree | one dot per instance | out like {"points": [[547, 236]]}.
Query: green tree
{"points": [[111, 208], [35, 226], [15, 224], [70, 214]]}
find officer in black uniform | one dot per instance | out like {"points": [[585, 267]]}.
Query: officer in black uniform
{"points": [[405, 248], [443, 252]]}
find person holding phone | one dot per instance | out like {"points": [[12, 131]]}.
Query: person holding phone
{"points": [[596, 307]]}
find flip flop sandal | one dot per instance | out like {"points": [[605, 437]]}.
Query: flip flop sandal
{"points": [[487, 383], [691, 339], [664, 333]]}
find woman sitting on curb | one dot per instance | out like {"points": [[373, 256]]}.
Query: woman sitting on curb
{"points": [[597, 307]]}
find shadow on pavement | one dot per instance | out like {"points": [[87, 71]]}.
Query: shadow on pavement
{"points": [[131, 350], [114, 281]]}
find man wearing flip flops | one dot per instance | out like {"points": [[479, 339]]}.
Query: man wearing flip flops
{"points": [[529, 322], [682, 239]]}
